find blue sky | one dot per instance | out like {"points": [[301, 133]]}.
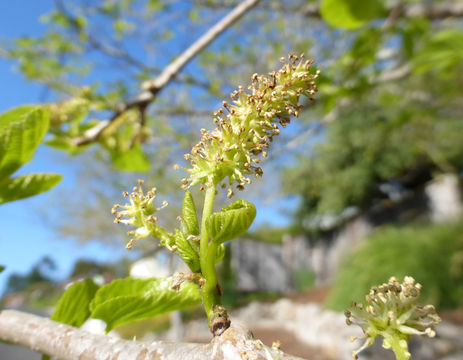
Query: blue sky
{"points": [[24, 235]]}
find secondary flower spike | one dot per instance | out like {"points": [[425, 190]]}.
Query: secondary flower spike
{"points": [[139, 213], [246, 127], [392, 312]]}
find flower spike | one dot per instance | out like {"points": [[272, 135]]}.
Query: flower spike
{"points": [[246, 127], [392, 312]]}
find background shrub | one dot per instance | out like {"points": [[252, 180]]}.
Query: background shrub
{"points": [[432, 254]]}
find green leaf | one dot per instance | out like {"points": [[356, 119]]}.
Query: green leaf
{"points": [[189, 214], [443, 51], [21, 131], [132, 160], [231, 222], [60, 144], [65, 144], [74, 306], [350, 14], [128, 300], [27, 185], [2, 268], [188, 253], [121, 26]]}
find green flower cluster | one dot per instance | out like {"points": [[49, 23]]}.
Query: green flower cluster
{"points": [[393, 313], [140, 213], [247, 127]]}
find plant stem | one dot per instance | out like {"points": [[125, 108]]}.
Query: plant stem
{"points": [[208, 253], [400, 351]]}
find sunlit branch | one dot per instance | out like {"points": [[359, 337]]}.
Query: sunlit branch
{"points": [[179, 63], [437, 12], [153, 87], [69, 343]]}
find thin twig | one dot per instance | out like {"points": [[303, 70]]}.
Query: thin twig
{"points": [[437, 12], [178, 64], [394, 15], [153, 87], [96, 44]]}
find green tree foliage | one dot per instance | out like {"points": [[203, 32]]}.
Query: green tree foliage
{"points": [[432, 254], [40, 273], [391, 119], [89, 268], [389, 112], [403, 147], [399, 62]]}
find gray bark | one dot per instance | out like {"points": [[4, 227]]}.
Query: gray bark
{"points": [[69, 343]]}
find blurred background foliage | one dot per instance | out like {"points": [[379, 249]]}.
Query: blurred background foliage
{"points": [[432, 253], [387, 118]]}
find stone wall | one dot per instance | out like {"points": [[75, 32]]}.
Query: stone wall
{"points": [[259, 266]]}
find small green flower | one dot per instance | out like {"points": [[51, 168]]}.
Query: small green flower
{"points": [[246, 128], [392, 312], [140, 214]]}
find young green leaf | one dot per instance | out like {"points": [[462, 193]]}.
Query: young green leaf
{"points": [[73, 307], [63, 144], [189, 214], [443, 51], [27, 185], [187, 252], [132, 160], [349, 14], [128, 300], [231, 222], [21, 131]]}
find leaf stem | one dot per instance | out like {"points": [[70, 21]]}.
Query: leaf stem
{"points": [[208, 253]]}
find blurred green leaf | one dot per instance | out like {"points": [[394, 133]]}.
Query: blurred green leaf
{"points": [[231, 222], [58, 18], [121, 26], [74, 306], [132, 160], [350, 14], [443, 51], [21, 131], [61, 143], [128, 300], [155, 5], [2, 268], [27, 185]]}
